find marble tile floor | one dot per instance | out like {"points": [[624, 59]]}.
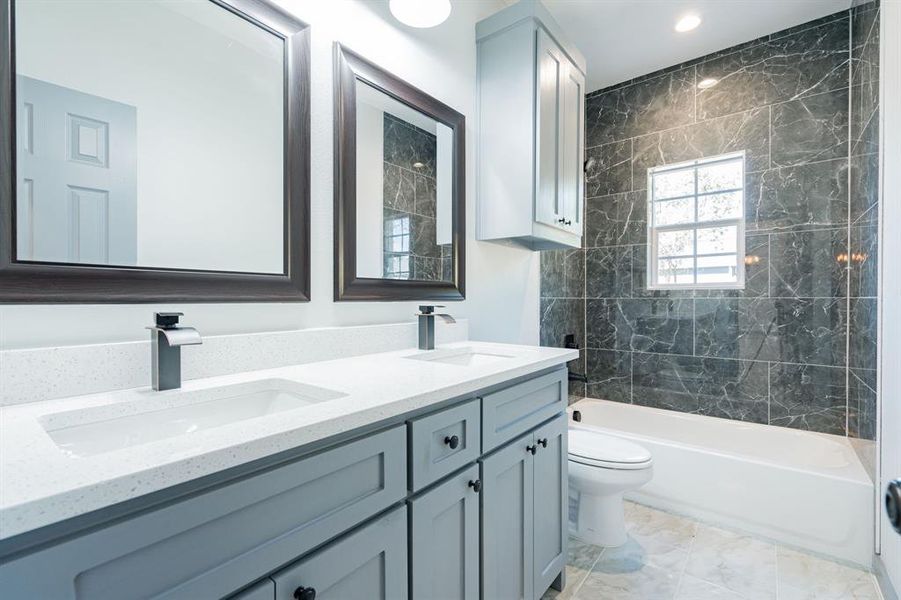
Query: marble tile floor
{"points": [[668, 557]]}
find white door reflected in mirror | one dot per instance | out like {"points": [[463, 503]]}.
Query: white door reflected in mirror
{"points": [[156, 144]]}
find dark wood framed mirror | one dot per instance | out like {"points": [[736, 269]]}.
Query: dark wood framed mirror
{"points": [[400, 188], [134, 170]]}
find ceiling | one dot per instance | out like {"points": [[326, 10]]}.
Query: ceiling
{"points": [[622, 39]]}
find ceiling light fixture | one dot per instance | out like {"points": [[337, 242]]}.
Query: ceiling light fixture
{"points": [[687, 23], [420, 13], [708, 83]]}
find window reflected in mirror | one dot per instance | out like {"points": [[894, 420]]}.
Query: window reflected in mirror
{"points": [[404, 165]]}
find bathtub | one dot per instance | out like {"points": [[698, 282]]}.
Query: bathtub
{"points": [[807, 490]]}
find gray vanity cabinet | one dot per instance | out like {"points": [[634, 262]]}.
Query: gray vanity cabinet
{"points": [[367, 564], [461, 503], [524, 495], [444, 540]]}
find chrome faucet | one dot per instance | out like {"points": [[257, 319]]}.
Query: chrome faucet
{"points": [[166, 339], [427, 316]]}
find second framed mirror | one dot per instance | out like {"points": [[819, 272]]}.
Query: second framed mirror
{"points": [[399, 188]]}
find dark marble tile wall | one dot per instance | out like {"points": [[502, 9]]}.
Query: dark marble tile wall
{"points": [[778, 351], [410, 190], [863, 213]]}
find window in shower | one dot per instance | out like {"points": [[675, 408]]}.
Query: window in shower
{"points": [[696, 224]]}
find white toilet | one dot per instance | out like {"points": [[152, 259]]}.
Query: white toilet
{"points": [[601, 468]]}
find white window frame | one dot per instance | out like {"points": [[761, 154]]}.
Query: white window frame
{"points": [[653, 230]]}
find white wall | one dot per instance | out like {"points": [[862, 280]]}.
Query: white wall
{"points": [[502, 282]]}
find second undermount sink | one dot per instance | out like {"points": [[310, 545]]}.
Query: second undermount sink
{"points": [[155, 417], [464, 357]]}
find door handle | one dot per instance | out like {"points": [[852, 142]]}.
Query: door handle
{"points": [[893, 504], [543, 442], [532, 450], [475, 485]]}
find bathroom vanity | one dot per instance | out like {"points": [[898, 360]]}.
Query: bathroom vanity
{"points": [[414, 475]]}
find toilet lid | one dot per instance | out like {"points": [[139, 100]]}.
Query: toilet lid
{"points": [[592, 447]]}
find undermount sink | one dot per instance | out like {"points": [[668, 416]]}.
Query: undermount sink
{"points": [[464, 357], [97, 430]]}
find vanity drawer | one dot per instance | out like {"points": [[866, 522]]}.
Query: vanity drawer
{"points": [[513, 411], [214, 543], [443, 442]]}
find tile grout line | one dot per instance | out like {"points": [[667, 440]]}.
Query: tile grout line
{"points": [[691, 547], [848, 246]]}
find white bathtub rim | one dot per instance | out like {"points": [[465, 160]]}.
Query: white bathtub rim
{"points": [[860, 476]]}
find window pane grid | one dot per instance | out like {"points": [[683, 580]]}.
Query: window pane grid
{"points": [[710, 262]]}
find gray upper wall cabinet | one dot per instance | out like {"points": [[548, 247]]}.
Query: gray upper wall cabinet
{"points": [[531, 130]]}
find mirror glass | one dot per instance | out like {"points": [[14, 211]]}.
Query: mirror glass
{"points": [[149, 133], [404, 168]]}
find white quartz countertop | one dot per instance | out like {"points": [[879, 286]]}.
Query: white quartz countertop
{"points": [[41, 484]]}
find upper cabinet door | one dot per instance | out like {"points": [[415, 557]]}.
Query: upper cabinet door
{"points": [[551, 64], [571, 146]]}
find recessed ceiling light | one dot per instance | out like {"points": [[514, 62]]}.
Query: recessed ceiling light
{"points": [[420, 13], [687, 23], [708, 83]]}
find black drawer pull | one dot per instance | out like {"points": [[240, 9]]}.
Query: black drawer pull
{"points": [[452, 441], [476, 485], [532, 449], [305, 593], [543, 442]]}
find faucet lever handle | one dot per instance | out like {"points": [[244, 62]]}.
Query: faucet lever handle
{"points": [[167, 319], [427, 309]]}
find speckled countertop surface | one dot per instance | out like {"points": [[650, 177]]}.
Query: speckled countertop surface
{"points": [[41, 484]]}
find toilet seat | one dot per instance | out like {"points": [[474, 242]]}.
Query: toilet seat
{"points": [[597, 449]]}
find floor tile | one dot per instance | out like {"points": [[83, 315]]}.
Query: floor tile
{"points": [[734, 561], [580, 559], [614, 581], [692, 588], [805, 577]]}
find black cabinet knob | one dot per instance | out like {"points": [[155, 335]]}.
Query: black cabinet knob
{"points": [[532, 450], [543, 442], [452, 441], [567, 222], [476, 485], [561, 221], [305, 593]]}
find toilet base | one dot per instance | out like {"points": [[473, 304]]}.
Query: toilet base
{"points": [[599, 519]]}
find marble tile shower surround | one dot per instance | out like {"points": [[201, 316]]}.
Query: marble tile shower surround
{"points": [[796, 347], [410, 191], [36, 374]]}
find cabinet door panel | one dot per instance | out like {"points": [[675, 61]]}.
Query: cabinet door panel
{"points": [[550, 61], [368, 564], [571, 146], [551, 500], [445, 540], [507, 565]]}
